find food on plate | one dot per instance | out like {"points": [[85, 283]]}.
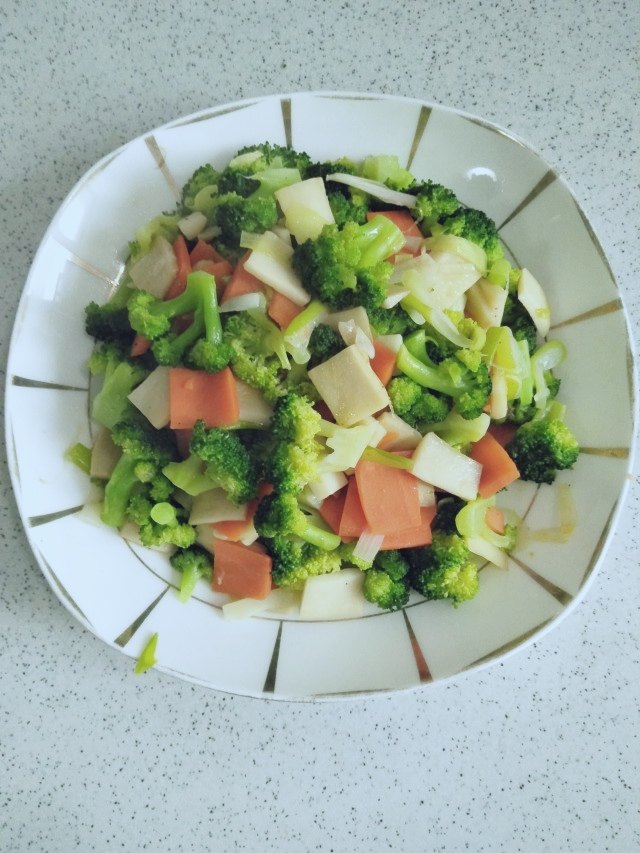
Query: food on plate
{"points": [[322, 369]]}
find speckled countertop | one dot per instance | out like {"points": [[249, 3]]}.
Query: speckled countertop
{"points": [[541, 752]]}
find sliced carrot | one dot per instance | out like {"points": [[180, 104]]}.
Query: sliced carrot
{"points": [[352, 522], [218, 269], [282, 310], [232, 530], [389, 497], [242, 282], [195, 395], [405, 222], [332, 508], [383, 362], [179, 283], [503, 433], [495, 519], [498, 468], [204, 252], [240, 570], [139, 346], [414, 537]]}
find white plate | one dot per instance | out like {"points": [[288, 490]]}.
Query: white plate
{"points": [[124, 594]]}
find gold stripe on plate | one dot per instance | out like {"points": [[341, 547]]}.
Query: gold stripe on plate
{"points": [[596, 243], [123, 638], [423, 119], [339, 97], [421, 664], [64, 592], [24, 382], [545, 181], [211, 114], [595, 556], [285, 106], [600, 311], [607, 452], [559, 594], [270, 680], [47, 518], [94, 271], [161, 163], [507, 647]]}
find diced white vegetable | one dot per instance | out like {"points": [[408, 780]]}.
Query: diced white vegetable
{"points": [[347, 384], [352, 334], [244, 302], [253, 408], [193, 224], [376, 189], [306, 208], [104, 455], [392, 342], [250, 534], [534, 299], [498, 398], [334, 596], [328, 484], [426, 494], [488, 551], [278, 601], [206, 536], [358, 315], [156, 270], [151, 397], [485, 303], [440, 465], [283, 233], [270, 262], [90, 513], [308, 498], [367, 546], [399, 434], [209, 507]]}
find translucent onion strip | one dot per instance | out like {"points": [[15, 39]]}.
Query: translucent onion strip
{"points": [[367, 546], [245, 302], [376, 189]]}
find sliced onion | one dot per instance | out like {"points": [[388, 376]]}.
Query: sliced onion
{"points": [[395, 293], [426, 494], [367, 546], [413, 244], [374, 188], [489, 552], [245, 302], [353, 334]]}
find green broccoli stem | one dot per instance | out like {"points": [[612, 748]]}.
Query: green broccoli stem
{"points": [[425, 375], [315, 535], [118, 491], [384, 457], [378, 239], [199, 297], [80, 455]]}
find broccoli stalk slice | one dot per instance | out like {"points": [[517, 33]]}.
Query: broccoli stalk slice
{"points": [[384, 457], [378, 239], [429, 375], [118, 491]]}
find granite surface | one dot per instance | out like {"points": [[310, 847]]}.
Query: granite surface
{"points": [[540, 752]]}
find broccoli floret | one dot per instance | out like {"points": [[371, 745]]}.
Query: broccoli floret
{"points": [[392, 563], [324, 343], [347, 267], [381, 589], [279, 156], [280, 515], [145, 451], [468, 386], [386, 169], [228, 462], [164, 225], [294, 461], [390, 321], [444, 569], [415, 405], [474, 225], [518, 319], [257, 353], [434, 203], [193, 563], [346, 550], [543, 446], [521, 414], [120, 376], [347, 204], [233, 214], [294, 561], [204, 177], [200, 345], [110, 322]]}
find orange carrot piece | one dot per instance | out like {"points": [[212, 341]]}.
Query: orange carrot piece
{"points": [[389, 497], [242, 282], [204, 252], [495, 519], [498, 468], [414, 537], [218, 269], [240, 571], [332, 508], [282, 310], [232, 530], [503, 433], [195, 395], [179, 283], [139, 346], [383, 362], [352, 522]]}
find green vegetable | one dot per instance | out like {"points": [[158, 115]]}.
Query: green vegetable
{"points": [[147, 659], [544, 446]]}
